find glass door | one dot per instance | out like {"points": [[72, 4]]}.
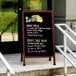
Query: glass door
{"points": [[29, 5], [11, 21]]}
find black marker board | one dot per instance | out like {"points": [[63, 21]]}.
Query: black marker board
{"points": [[37, 33]]}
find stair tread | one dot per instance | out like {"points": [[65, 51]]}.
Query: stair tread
{"points": [[61, 75]]}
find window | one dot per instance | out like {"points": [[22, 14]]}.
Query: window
{"points": [[8, 20], [32, 4]]}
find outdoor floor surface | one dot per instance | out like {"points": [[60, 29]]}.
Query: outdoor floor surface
{"points": [[33, 63]]}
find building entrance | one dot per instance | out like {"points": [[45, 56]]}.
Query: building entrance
{"points": [[11, 21]]}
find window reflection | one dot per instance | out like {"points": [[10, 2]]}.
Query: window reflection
{"points": [[32, 4], [8, 20]]}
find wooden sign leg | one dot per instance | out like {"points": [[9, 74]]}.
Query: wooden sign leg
{"points": [[49, 58], [23, 60], [54, 59]]}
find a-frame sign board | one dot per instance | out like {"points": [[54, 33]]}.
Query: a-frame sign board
{"points": [[38, 34]]}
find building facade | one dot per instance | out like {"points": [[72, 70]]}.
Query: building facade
{"points": [[64, 12]]}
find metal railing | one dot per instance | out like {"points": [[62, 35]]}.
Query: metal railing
{"points": [[65, 47], [9, 68]]}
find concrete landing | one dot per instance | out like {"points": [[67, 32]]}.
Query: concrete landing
{"points": [[36, 66]]}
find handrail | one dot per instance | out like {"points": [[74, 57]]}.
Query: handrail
{"points": [[9, 68], [66, 48], [67, 28], [61, 51], [68, 36], [70, 51]]}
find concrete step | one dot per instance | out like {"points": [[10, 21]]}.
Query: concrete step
{"points": [[27, 74], [67, 75], [61, 75], [46, 72]]}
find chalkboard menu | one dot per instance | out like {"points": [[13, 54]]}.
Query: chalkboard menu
{"points": [[37, 33]]}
